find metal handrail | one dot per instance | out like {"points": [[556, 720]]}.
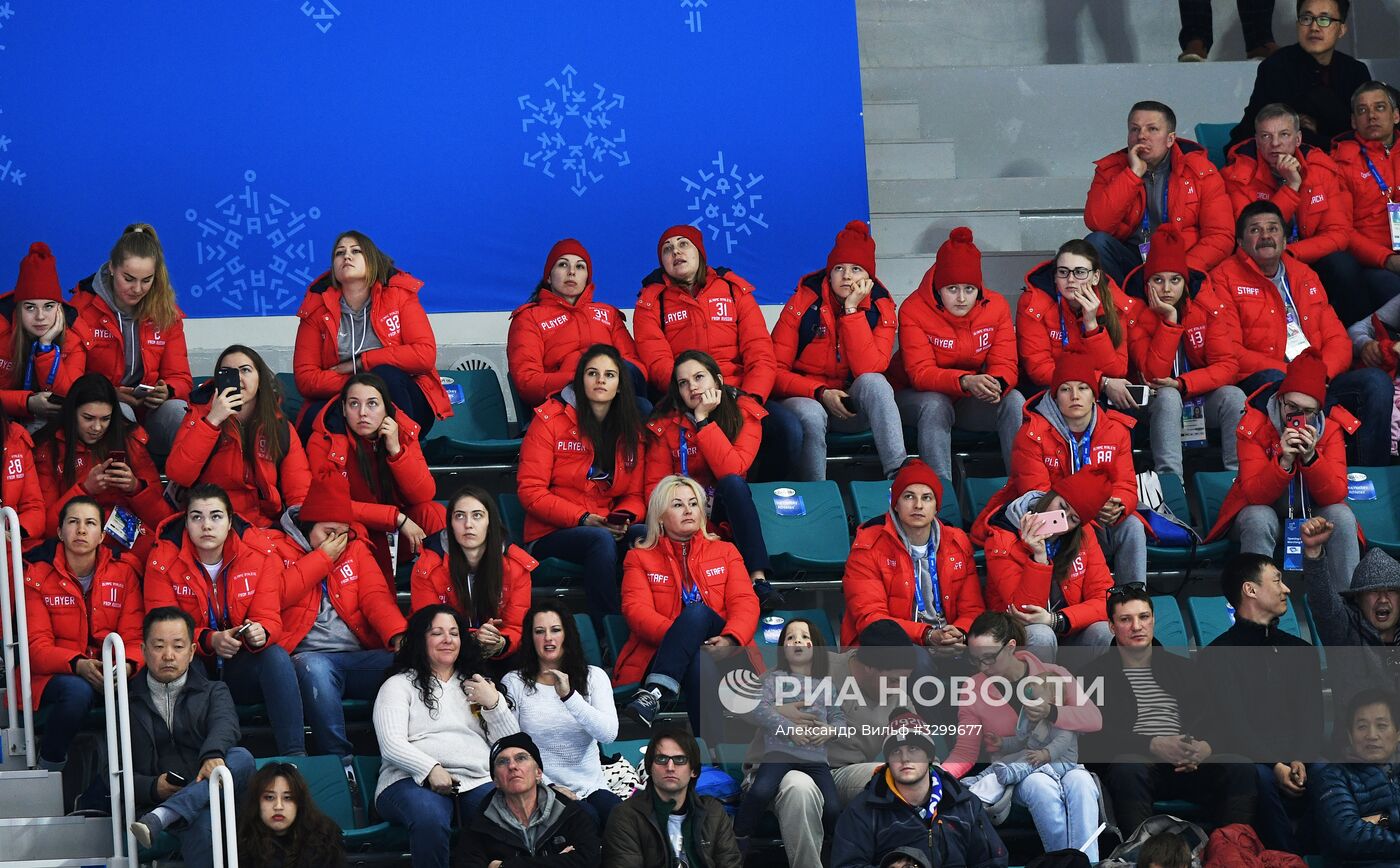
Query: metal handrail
{"points": [[221, 808], [19, 698], [120, 770]]}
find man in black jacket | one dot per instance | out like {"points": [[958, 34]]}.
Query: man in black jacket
{"points": [[183, 726], [1156, 715], [911, 805], [525, 820]]}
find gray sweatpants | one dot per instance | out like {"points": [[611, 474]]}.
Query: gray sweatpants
{"points": [[1125, 548], [1223, 407], [935, 414], [1258, 528], [1043, 643], [877, 414]]}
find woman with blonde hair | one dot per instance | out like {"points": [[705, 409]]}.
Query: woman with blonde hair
{"points": [[684, 591], [130, 331]]}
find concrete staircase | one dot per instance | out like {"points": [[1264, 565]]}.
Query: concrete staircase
{"points": [[33, 830]]}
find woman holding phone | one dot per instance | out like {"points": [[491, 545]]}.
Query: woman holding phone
{"points": [[36, 345], [92, 449], [365, 437], [1045, 570], [236, 437], [710, 432], [131, 331], [581, 475]]}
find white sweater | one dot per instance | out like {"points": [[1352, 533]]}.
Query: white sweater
{"points": [[413, 739], [568, 733]]}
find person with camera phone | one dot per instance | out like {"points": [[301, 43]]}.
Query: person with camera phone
{"points": [[236, 437]]}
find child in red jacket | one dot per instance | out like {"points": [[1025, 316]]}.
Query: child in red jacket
{"points": [[710, 432], [36, 346], [957, 350], [834, 339]]}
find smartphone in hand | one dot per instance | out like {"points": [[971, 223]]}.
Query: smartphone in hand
{"points": [[1052, 522]]}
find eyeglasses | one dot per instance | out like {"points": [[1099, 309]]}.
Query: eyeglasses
{"points": [[1077, 273], [988, 659], [1129, 588], [680, 760], [1291, 409], [1323, 21]]}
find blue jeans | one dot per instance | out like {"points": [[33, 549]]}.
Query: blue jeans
{"points": [[734, 503], [428, 817], [1065, 812], [268, 677], [67, 699], [191, 804], [1366, 393], [782, 444], [599, 805], [1355, 292], [1274, 814], [680, 665], [326, 681], [600, 556], [764, 788], [1117, 258]]}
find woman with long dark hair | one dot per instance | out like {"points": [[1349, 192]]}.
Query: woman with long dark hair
{"points": [[581, 474], [238, 439], [36, 346], [565, 704], [364, 315], [436, 717], [472, 568], [80, 452], [376, 445], [280, 825], [711, 431]]}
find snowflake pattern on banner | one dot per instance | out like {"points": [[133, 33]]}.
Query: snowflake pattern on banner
{"points": [[8, 170], [692, 18], [322, 14], [574, 134], [252, 252], [725, 202]]}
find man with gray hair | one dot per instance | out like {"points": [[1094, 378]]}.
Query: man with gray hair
{"points": [[1370, 166]]}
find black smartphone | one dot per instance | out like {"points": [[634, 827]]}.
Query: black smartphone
{"points": [[619, 518], [176, 778], [117, 456], [54, 399], [850, 404], [224, 379]]}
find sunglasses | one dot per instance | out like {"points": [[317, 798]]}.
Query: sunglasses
{"points": [[1129, 588]]}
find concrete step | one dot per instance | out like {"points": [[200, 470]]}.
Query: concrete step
{"points": [[977, 194], [902, 234], [79, 862], [899, 160], [1001, 272], [33, 839], [1049, 231], [36, 793], [894, 121]]}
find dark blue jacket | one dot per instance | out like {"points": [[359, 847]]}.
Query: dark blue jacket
{"points": [[878, 821], [1342, 794]]}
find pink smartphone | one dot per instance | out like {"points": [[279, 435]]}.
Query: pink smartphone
{"points": [[1052, 522]]}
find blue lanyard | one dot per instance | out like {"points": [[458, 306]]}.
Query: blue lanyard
{"points": [[690, 594], [684, 458], [1302, 498], [1052, 547], [1380, 182], [1064, 332], [1079, 449], [932, 559], [35, 348], [1146, 225]]}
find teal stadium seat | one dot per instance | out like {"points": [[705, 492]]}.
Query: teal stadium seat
{"points": [[1211, 616], [818, 617], [588, 638], [325, 777], [872, 498], [813, 543], [1215, 138], [1211, 488], [1379, 518], [978, 491], [551, 571], [292, 401], [1169, 627], [478, 429]]}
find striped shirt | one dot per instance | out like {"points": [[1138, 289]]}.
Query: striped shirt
{"points": [[1156, 709]]}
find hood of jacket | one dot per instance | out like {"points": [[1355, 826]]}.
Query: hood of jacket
{"points": [[1135, 284], [1009, 517], [1048, 408]]}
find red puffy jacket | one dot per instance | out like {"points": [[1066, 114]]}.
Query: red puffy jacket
{"points": [[709, 454], [937, 348], [651, 596], [432, 584], [398, 320], [204, 453], [722, 319], [1197, 204], [1047, 327], [58, 362], [1370, 221], [553, 481], [100, 347], [1264, 318], [548, 335], [66, 625], [1238, 846], [358, 591], [1262, 481], [819, 345], [20, 488], [249, 587], [1015, 579], [148, 503], [1207, 329], [1321, 205], [879, 581]]}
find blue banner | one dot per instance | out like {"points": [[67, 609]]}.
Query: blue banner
{"points": [[464, 138]]}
